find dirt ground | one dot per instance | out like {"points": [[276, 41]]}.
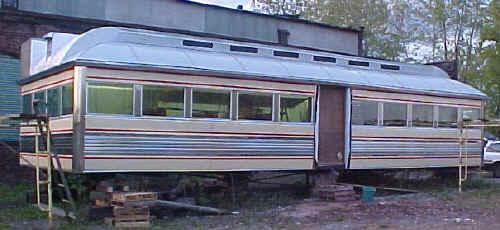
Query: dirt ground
{"points": [[439, 208]]}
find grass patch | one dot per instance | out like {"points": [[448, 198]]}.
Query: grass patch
{"points": [[13, 193]]}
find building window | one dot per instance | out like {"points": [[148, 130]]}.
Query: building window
{"points": [[295, 108], [211, 103], [27, 104], [110, 98], [67, 99], [53, 102], [255, 106], [394, 114], [39, 103], [422, 115], [364, 112], [470, 114], [448, 117], [162, 101]]}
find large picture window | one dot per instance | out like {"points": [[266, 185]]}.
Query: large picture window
{"points": [[447, 117], [27, 104], [255, 106], [295, 108], [364, 112], [422, 115], [470, 114], [39, 103], [211, 103], [162, 101], [394, 114], [67, 99], [53, 102], [110, 98]]}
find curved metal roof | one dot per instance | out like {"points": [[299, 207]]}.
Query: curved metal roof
{"points": [[148, 49]]}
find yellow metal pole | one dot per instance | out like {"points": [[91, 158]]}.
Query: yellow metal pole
{"points": [[49, 175], [37, 152]]}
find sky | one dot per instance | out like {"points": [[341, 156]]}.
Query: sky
{"points": [[228, 3]]}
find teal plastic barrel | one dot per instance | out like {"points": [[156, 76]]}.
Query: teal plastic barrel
{"points": [[368, 193]]}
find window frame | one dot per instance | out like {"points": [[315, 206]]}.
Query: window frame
{"points": [[184, 103], [378, 113], [273, 104], [191, 104], [106, 114], [411, 121], [439, 114], [278, 107]]}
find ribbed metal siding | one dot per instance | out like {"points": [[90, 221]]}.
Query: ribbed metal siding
{"points": [[61, 143], [9, 93], [176, 145], [418, 148]]}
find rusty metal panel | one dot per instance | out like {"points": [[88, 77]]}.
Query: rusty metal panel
{"points": [[331, 126]]}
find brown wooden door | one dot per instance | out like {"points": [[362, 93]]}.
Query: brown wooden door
{"points": [[331, 125]]}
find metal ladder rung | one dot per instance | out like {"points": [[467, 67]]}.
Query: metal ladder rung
{"points": [[66, 201], [43, 182], [60, 185]]}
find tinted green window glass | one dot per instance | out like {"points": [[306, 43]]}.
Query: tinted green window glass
{"points": [[448, 117], [39, 103], [163, 101], [209, 103], [110, 98], [27, 104], [423, 115], [295, 108], [53, 102], [67, 99], [394, 114], [364, 112], [255, 106]]}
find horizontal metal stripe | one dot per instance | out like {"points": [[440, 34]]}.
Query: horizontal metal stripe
{"points": [[363, 138], [61, 143], [196, 132], [102, 144], [62, 81], [199, 158], [411, 157]]}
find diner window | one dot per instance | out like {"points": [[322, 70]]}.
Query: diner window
{"points": [[295, 108], [53, 102], [211, 103], [27, 104], [39, 103], [255, 106], [447, 117], [470, 114], [67, 99], [162, 101], [394, 114], [364, 112], [110, 98], [422, 115]]}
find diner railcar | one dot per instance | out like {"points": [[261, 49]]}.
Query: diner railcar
{"points": [[129, 100]]}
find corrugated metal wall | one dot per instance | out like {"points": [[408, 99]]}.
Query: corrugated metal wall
{"points": [[9, 93]]}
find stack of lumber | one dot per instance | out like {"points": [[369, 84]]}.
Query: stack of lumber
{"points": [[126, 214], [337, 193]]}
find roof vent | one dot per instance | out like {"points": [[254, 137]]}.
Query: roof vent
{"points": [[359, 63], [390, 67], [197, 44], [285, 54], [245, 49], [325, 59]]}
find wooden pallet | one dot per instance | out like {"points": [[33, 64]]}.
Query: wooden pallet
{"points": [[335, 193], [130, 217], [123, 197]]}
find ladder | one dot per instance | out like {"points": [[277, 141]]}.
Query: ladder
{"points": [[43, 136]]}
